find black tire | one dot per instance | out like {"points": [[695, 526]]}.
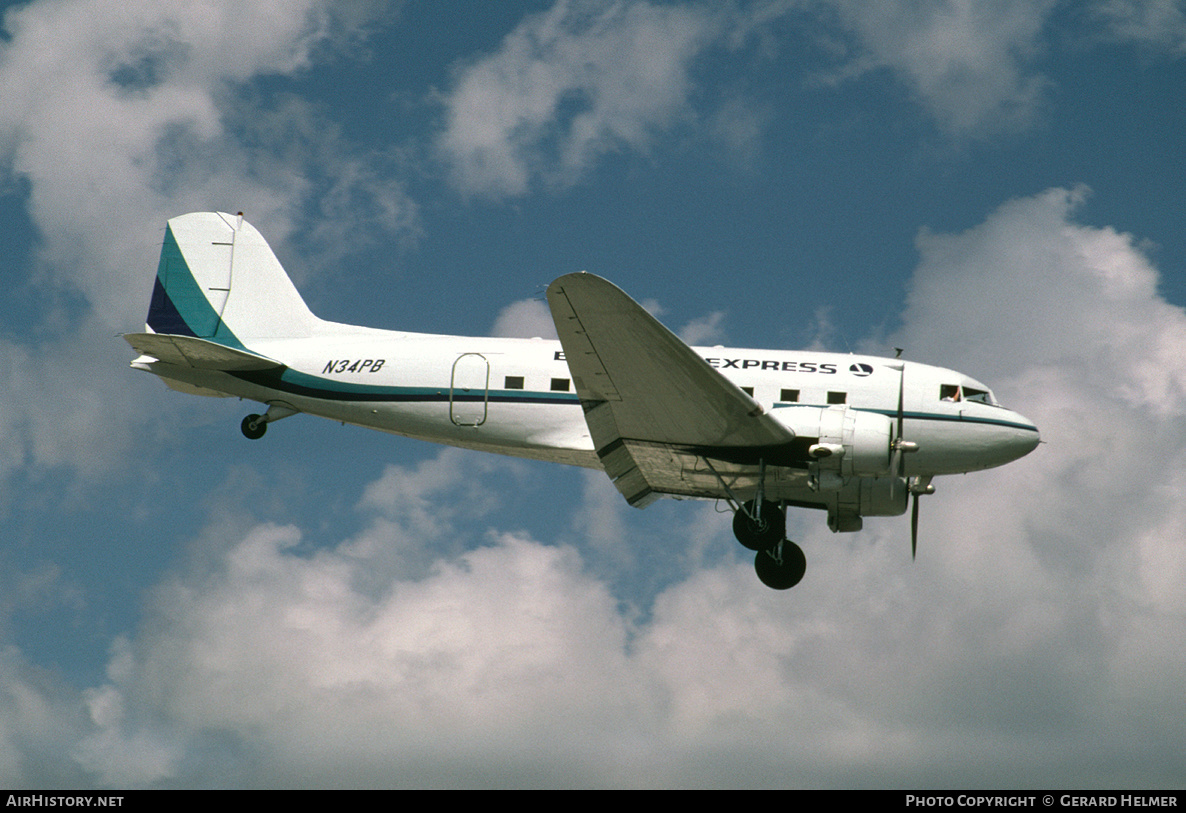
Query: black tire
{"points": [[253, 427], [764, 535], [782, 567]]}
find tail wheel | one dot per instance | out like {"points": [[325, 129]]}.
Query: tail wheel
{"points": [[764, 533], [254, 426], [781, 567]]}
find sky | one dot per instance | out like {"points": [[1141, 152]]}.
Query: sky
{"points": [[996, 188]]}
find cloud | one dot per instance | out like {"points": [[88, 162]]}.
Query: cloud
{"points": [[1066, 321], [301, 664], [977, 68], [707, 329], [590, 77], [40, 721], [120, 115], [567, 86], [525, 319], [970, 64], [1030, 285], [108, 104], [1160, 24]]}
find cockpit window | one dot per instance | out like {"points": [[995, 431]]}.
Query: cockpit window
{"points": [[956, 392]]}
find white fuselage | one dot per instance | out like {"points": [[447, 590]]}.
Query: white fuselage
{"points": [[517, 397]]}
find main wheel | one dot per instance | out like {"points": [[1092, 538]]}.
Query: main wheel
{"points": [[253, 427], [781, 567], [763, 534]]}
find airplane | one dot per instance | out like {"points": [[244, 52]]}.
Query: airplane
{"points": [[761, 430]]}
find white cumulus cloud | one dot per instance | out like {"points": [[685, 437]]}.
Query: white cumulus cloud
{"points": [[568, 85], [117, 116]]}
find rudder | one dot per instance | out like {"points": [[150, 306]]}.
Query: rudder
{"points": [[218, 279]]}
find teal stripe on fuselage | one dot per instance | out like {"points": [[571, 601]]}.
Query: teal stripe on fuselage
{"points": [[311, 386], [935, 416], [929, 416]]}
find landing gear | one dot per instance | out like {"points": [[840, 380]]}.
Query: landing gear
{"points": [[782, 566], [254, 426], [759, 526], [780, 562]]}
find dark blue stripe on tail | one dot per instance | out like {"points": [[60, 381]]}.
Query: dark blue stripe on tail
{"points": [[163, 316]]}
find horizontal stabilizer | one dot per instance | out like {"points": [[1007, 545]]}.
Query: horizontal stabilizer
{"points": [[187, 351]]}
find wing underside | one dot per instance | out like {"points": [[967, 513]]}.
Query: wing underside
{"points": [[662, 419]]}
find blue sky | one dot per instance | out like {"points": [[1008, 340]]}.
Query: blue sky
{"points": [[996, 188]]}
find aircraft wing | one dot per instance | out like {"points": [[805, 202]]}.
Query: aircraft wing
{"points": [[187, 351], [654, 407]]}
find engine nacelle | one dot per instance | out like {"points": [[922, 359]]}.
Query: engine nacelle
{"points": [[851, 442], [866, 497]]}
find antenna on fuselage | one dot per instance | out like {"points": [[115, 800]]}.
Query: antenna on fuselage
{"points": [[898, 352]]}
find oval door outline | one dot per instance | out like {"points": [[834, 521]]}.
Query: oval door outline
{"points": [[469, 389]]}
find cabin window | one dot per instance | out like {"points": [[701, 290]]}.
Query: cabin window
{"points": [[837, 397], [559, 385], [748, 391], [513, 382], [789, 395]]}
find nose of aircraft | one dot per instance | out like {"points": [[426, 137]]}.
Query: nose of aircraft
{"points": [[985, 436], [1019, 438]]}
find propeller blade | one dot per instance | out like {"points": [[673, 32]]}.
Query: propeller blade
{"points": [[900, 447], [914, 529]]}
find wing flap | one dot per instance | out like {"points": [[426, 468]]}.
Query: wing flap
{"points": [[187, 351], [648, 397]]}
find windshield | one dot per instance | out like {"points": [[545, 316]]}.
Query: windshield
{"points": [[960, 392]]}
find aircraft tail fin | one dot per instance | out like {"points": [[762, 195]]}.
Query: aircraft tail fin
{"points": [[219, 280]]}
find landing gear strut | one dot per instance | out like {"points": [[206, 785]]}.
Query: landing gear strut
{"points": [[759, 525]]}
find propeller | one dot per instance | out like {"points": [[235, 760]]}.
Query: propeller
{"points": [[901, 446], [918, 486], [914, 527]]}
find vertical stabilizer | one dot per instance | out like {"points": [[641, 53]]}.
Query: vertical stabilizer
{"points": [[218, 279]]}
